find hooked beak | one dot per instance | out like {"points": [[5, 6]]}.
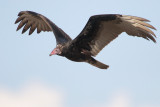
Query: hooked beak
{"points": [[53, 52]]}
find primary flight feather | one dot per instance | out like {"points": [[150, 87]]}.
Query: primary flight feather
{"points": [[99, 31]]}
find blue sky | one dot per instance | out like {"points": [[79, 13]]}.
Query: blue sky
{"points": [[133, 76]]}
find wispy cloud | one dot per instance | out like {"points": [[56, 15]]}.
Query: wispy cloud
{"points": [[38, 94], [121, 99], [31, 95], [124, 99]]}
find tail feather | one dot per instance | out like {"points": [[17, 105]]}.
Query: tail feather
{"points": [[96, 63]]}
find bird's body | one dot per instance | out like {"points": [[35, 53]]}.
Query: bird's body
{"points": [[98, 32], [74, 54]]}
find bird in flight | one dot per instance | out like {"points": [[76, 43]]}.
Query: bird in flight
{"points": [[99, 31]]}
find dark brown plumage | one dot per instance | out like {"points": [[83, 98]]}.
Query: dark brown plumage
{"points": [[99, 31]]}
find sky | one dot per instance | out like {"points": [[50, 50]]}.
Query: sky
{"points": [[30, 77]]}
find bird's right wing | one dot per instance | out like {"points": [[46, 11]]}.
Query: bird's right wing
{"points": [[102, 29], [34, 20]]}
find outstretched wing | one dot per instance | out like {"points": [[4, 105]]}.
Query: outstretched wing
{"points": [[34, 20], [102, 29]]}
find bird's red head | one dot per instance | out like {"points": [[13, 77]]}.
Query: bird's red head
{"points": [[56, 51]]}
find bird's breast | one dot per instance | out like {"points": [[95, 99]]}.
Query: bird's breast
{"points": [[78, 57], [75, 55]]}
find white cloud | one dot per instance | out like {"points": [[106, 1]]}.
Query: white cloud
{"points": [[32, 95], [121, 99], [40, 95]]}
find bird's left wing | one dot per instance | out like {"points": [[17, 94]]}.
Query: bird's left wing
{"points": [[102, 29], [32, 20]]}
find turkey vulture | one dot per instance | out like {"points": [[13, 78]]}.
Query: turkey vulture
{"points": [[99, 31]]}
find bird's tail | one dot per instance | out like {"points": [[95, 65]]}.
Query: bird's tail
{"points": [[96, 63]]}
